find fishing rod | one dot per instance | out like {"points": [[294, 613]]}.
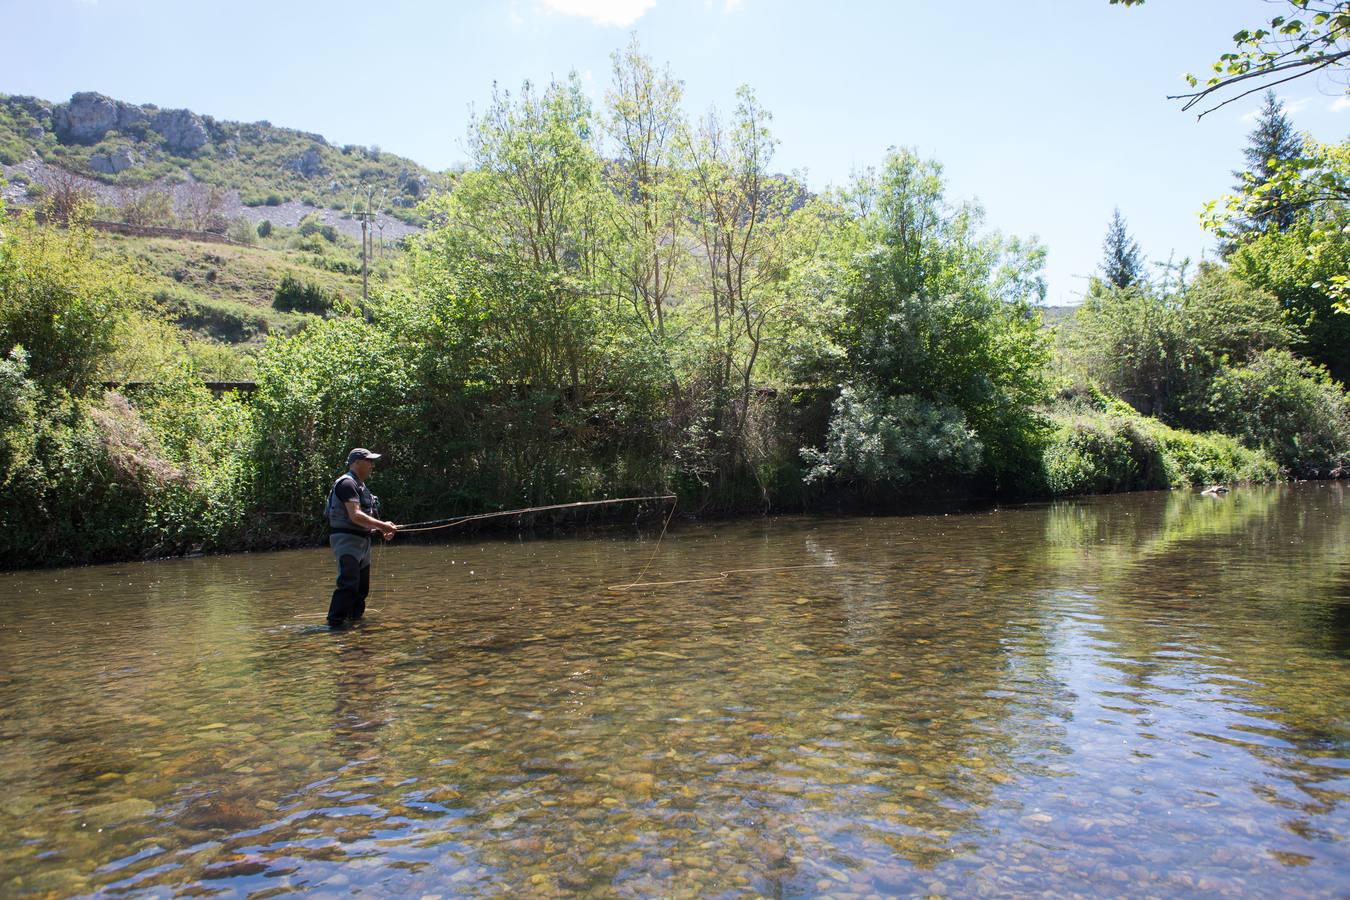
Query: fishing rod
{"points": [[435, 524]]}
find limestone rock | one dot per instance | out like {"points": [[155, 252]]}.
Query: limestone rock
{"points": [[129, 115], [112, 163], [183, 130], [86, 118]]}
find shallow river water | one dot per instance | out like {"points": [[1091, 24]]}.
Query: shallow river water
{"points": [[1134, 695]]}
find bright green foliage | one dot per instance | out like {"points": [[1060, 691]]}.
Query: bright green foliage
{"points": [[1157, 347], [1305, 268], [61, 303], [740, 211], [1102, 455], [87, 476], [336, 385], [209, 443], [1100, 445], [541, 379], [1315, 184], [19, 398], [930, 310], [1287, 406], [643, 242], [515, 242]]}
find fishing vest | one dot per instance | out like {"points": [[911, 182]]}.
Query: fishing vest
{"points": [[335, 512]]}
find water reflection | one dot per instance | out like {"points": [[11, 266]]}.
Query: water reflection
{"points": [[1138, 694]]}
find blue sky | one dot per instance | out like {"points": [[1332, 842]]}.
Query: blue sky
{"points": [[1049, 113]]}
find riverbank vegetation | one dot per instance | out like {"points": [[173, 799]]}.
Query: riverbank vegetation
{"points": [[619, 299]]}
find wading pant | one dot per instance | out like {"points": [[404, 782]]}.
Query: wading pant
{"points": [[353, 578]]}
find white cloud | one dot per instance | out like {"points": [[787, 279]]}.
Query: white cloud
{"points": [[621, 13], [1340, 104]]}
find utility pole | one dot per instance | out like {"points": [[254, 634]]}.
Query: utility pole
{"points": [[368, 213]]}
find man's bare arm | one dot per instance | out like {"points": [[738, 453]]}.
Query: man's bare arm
{"points": [[362, 520]]}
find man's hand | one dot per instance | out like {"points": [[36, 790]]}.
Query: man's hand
{"points": [[388, 529]]}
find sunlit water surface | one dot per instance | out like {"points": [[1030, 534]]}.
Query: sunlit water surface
{"points": [[1135, 695]]}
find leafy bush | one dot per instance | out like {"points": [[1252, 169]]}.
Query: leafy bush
{"points": [[336, 385], [242, 231], [296, 295], [1287, 406], [209, 443], [891, 441], [147, 207], [1102, 454], [265, 228], [1102, 446], [311, 224], [61, 303], [934, 310], [220, 319], [1157, 346]]}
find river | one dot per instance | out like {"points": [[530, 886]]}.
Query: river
{"points": [[1145, 694]]}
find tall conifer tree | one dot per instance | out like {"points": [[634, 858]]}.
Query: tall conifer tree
{"points": [[1272, 142], [1122, 263]]}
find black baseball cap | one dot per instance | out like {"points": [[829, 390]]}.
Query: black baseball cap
{"points": [[360, 453]]}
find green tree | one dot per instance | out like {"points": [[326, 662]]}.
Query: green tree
{"points": [[1305, 267], [516, 240], [1288, 406], [1272, 144], [741, 216], [339, 383], [518, 321], [1122, 263], [935, 310], [648, 182], [1157, 346], [1316, 184], [61, 302]]}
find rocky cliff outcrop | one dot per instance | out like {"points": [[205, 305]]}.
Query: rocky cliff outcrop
{"points": [[183, 130], [89, 116]]}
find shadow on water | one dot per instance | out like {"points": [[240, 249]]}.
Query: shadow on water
{"points": [[1137, 694]]}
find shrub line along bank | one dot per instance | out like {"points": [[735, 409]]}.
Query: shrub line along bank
{"points": [[646, 274]]}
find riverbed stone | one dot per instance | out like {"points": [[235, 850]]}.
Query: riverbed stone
{"points": [[118, 811]]}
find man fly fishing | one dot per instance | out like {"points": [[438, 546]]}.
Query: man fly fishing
{"points": [[353, 519]]}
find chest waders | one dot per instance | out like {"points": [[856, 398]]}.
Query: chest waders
{"points": [[351, 548]]}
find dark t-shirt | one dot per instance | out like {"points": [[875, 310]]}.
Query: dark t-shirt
{"points": [[346, 490]]}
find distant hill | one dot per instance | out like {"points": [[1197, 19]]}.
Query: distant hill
{"points": [[281, 197], [1056, 315], [119, 147]]}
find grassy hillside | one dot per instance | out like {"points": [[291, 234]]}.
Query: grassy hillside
{"points": [[233, 297], [265, 164]]}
